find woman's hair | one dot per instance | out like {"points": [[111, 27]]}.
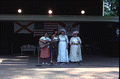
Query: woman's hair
{"points": [[45, 33], [54, 31]]}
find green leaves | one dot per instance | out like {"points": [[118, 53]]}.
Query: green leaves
{"points": [[111, 7]]}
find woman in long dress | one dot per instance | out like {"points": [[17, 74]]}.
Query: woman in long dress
{"points": [[63, 47], [54, 44], [75, 49], [45, 51]]}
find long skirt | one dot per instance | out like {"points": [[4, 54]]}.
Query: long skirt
{"points": [[75, 53], [45, 52], [62, 52], [54, 48]]}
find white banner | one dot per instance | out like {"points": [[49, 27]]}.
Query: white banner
{"points": [[69, 27]]}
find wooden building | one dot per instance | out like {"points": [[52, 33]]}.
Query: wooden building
{"points": [[18, 30]]}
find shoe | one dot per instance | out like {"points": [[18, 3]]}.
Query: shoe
{"points": [[43, 63], [46, 63]]}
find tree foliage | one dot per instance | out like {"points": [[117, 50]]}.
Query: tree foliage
{"points": [[111, 7]]}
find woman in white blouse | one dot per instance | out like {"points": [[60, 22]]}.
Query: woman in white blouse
{"points": [[63, 47], [75, 49], [45, 51]]}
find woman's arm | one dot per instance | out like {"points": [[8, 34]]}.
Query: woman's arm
{"points": [[66, 37], [70, 40], [79, 40], [48, 39], [67, 41], [52, 37], [42, 40]]}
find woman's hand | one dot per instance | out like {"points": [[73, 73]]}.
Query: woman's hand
{"points": [[44, 41], [67, 46], [48, 40]]}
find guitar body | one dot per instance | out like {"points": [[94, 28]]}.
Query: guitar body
{"points": [[43, 45]]}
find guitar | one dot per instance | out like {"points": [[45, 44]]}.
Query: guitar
{"points": [[43, 45]]}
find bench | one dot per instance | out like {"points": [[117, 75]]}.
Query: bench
{"points": [[28, 47]]}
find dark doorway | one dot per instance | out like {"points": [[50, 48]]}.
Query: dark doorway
{"points": [[96, 37]]}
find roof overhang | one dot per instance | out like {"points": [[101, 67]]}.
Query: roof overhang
{"points": [[20, 17]]}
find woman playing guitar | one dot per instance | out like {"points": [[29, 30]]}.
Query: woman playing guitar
{"points": [[45, 51]]}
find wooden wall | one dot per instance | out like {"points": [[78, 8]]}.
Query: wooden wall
{"points": [[90, 32]]}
